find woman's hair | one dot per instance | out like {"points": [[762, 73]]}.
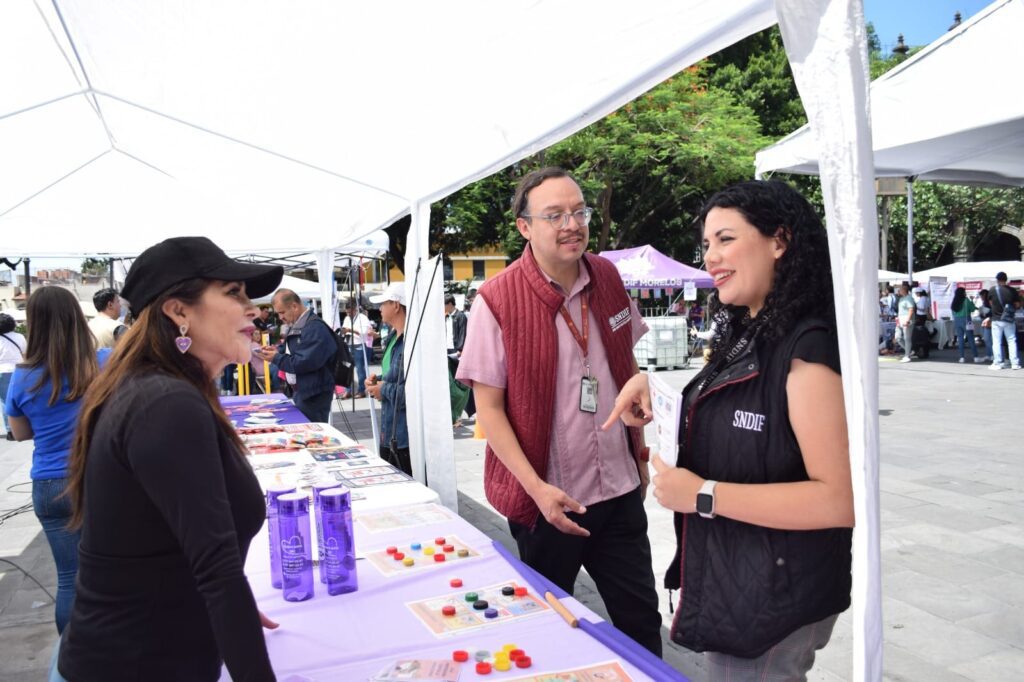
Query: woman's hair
{"points": [[984, 296], [148, 347], [7, 324], [802, 286], [59, 343], [959, 296]]}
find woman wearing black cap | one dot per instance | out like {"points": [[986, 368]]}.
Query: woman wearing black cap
{"points": [[160, 486]]}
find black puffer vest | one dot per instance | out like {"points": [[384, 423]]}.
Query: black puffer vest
{"points": [[746, 587]]}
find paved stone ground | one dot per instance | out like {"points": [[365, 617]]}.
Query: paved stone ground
{"points": [[952, 510]]}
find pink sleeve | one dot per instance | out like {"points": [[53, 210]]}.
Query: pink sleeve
{"points": [[637, 322], [483, 355]]}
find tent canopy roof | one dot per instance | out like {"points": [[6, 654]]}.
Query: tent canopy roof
{"points": [[946, 114], [958, 272], [280, 127], [644, 267]]}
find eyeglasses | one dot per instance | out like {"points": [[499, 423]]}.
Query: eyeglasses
{"points": [[560, 221]]}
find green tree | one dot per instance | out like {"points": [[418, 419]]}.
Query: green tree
{"points": [[95, 266], [646, 168]]}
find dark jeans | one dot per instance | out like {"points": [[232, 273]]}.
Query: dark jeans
{"points": [[360, 360], [53, 513], [617, 555], [317, 408]]}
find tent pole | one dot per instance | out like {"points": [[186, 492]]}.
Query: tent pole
{"points": [[910, 230]]}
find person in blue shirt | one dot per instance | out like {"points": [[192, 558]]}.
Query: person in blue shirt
{"points": [[389, 389], [42, 403]]}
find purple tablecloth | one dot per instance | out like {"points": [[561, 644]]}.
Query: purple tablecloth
{"points": [[352, 637], [238, 407]]}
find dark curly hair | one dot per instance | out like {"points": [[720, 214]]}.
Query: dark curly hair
{"points": [[803, 275]]}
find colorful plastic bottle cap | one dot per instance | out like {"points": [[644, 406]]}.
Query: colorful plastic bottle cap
{"points": [[509, 647], [415, 546], [523, 662], [508, 590], [482, 655], [501, 656], [428, 550], [502, 665], [515, 654], [480, 604], [408, 561], [439, 557], [463, 553], [456, 582], [460, 656], [491, 613], [483, 668], [398, 556], [471, 596], [392, 550], [521, 591], [449, 548], [439, 541], [448, 610]]}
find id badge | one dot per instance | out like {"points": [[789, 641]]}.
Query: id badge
{"points": [[588, 395]]}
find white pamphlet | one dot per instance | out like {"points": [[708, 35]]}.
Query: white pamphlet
{"points": [[666, 405]]}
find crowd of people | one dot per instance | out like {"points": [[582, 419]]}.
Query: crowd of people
{"points": [[991, 314], [144, 516]]}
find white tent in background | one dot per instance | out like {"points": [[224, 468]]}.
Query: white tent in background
{"points": [[960, 272], [305, 289], [945, 114], [890, 276], [293, 127]]}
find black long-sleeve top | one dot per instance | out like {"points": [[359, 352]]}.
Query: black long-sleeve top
{"points": [[170, 509]]}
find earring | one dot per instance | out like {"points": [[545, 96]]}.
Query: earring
{"points": [[183, 342]]}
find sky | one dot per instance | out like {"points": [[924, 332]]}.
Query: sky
{"points": [[920, 21]]}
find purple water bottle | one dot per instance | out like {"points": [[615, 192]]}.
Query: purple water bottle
{"points": [[339, 559], [296, 551], [318, 488], [274, 492]]}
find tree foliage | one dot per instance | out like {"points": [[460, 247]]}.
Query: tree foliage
{"points": [[645, 168], [95, 266]]}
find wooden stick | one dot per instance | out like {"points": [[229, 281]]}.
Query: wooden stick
{"points": [[561, 610]]}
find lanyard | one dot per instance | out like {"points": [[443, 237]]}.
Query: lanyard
{"points": [[583, 340]]}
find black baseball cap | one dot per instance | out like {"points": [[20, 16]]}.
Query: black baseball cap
{"points": [[175, 260]]}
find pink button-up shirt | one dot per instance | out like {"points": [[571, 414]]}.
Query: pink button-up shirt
{"points": [[589, 464]]}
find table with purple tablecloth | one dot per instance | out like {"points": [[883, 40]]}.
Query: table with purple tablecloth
{"points": [[353, 637], [238, 407]]}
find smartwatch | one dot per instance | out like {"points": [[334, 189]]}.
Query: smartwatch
{"points": [[706, 500]]}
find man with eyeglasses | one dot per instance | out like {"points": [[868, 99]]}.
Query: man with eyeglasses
{"points": [[548, 346]]}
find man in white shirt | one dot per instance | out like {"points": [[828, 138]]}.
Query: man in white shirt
{"points": [[107, 320], [360, 329]]}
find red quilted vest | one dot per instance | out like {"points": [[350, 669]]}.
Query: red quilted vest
{"points": [[525, 305]]}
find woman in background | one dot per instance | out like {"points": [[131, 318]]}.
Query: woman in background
{"points": [[12, 352], [962, 309], [43, 402]]}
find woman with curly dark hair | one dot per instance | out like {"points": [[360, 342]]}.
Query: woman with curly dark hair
{"points": [[761, 487]]}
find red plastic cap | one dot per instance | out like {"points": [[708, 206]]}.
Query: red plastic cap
{"points": [[523, 662], [456, 582], [521, 591], [392, 550], [516, 654], [483, 668], [439, 541], [448, 610], [439, 557], [460, 656]]}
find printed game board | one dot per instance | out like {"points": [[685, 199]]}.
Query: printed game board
{"points": [[422, 557], [371, 475], [610, 671], [405, 517], [468, 619]]}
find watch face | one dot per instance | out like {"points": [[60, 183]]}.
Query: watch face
{"points": [[705, 503]]}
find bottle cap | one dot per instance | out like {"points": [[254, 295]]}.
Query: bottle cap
{"points": [[483, 668], [337, 499], [323, 484], [293, 503], [275, 490], [460, 656]]}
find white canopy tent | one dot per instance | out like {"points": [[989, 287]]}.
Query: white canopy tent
{"points": [[945, 114], [959, 272], [285, 127], [305, 289], [890, 276]]}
